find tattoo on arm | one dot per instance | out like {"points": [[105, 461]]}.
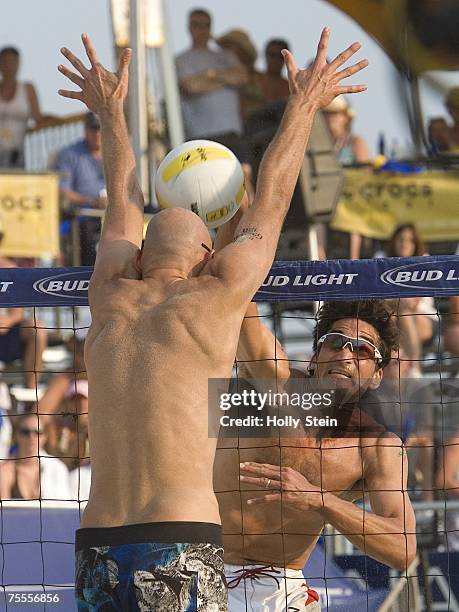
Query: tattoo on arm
{"points": [[248, 233]]}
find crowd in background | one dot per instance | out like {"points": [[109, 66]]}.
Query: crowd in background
{"points": [[224, 98], [44, 452]]}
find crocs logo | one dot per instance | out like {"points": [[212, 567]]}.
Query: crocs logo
{"points": [[66, 285]]}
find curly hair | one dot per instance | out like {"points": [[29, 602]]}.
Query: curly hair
{"points": [[377, 313]]}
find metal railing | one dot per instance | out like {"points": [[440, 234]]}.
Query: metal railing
{"points": [[43, 143]]}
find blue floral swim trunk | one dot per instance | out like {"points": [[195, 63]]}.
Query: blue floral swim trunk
{"points": [[137, 568]]}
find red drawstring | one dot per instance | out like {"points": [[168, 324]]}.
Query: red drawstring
{"points": [[312, 595], [254, 573]]}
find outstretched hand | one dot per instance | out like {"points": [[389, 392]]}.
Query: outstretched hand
{"points": [[100, 89], [320, 83]]}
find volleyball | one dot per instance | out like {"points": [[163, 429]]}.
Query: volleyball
{"points": [[204, 177]]}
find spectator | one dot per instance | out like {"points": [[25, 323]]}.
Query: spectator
{"points": [[18, 105], [58, 384], [83, 183], [418, 316], [272, 84], [69, 440], [409, 414], [350, 148], [238, 42], [31, 473], [444, 137], [21, 339], [209, 82]]}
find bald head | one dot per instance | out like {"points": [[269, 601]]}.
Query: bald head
{"points": [[174, 239]]}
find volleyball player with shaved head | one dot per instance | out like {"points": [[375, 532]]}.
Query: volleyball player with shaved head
{"points": [[164, 321]]}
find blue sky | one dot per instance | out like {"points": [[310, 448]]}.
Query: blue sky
{"points": [[39, 29]]}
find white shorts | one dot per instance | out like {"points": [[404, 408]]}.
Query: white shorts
{"points": [[262, 588]]}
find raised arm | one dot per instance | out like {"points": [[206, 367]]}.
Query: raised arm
{"points": [[245, 263], [259, 353], [104, 93]]}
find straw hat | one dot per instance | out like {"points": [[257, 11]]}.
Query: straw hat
{"points": [[339, 105], [240, 39]]}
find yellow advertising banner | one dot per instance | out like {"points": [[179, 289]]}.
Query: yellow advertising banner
{"points": [[29, 214], [373, 204]]}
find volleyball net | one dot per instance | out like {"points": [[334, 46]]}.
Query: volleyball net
{"points": [[45, 453]]}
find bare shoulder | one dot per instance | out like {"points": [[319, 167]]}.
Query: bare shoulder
{"points": [[7, 471], [114, 293], [383, 453]]}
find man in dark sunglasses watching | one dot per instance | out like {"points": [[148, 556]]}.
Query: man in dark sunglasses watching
{"points": [[276, 494]]}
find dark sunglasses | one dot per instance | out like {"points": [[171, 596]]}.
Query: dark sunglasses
{"points": [[363, 348], [24, 431]]}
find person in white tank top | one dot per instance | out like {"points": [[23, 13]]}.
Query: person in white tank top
{"points": [[18, 105]]}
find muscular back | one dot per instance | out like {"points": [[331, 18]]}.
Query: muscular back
{"points": [[149, 354]]}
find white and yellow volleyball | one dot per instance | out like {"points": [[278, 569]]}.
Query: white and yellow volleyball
{"points": [[204, 177]]}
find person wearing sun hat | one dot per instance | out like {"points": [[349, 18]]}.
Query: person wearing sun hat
{"points": [[350, 149], [238, 42]]}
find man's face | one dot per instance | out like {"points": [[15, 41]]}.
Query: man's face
{"points": [[350, 369], [274, 59], [93, 138], [199, 27], [9, 64]]}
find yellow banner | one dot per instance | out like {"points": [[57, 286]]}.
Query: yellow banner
{"points": [[29, 215], [374, 204]]}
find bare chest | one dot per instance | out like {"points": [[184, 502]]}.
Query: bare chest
{"points": [[333, 468]]}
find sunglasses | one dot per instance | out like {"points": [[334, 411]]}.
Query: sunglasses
{"points": [[29, 432], [363, 348]]}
